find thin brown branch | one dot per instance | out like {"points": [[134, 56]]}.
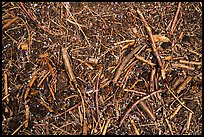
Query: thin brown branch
{"points": [[125, 61], [34, 77], [9, 23], [175, 18], [153, 43], [183, 85]]}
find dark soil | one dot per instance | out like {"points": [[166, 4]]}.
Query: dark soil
{"points": [[33, 35]]}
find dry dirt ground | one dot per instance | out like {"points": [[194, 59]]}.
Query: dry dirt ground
{"points": [[98, 68]]}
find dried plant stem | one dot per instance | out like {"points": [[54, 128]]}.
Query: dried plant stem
{"points": [[134, 126], [125, 61], [31, 17], [27, 113], [177, 82], [153, 43], [9, 23], [68, 65], [134, 104], [190, 62], [138, 92], [60, 129], [143, 60], [182, 66], [175, 18], [45, 104], [172, 93], [183, 85], [34, 77], [189, 121], [175, 111], [18, 128], [106, 127], [6, 87]]}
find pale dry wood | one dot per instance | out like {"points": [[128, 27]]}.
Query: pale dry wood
{"points": [[6, 87], [68, 65], [190, 62], [182, 66], [175, 111], [27, 113], [134, 126], [189, 121], [106, 127]]}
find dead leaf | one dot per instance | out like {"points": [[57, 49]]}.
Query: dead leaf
{"points": [[160, 38]]}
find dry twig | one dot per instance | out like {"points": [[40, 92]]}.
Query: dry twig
{"points": [[153, 43], [125, 61], [134, 104]]}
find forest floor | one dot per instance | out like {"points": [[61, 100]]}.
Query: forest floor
{"points": [[101, 68]]}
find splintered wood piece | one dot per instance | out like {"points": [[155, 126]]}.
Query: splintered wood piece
{"points": [[125, 61], [153, 44], [68, 65], [34, 77], [160, 38], [147, 110], [183, 85]]}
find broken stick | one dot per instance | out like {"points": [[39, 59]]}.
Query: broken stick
{"points": [[68, 65]]}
